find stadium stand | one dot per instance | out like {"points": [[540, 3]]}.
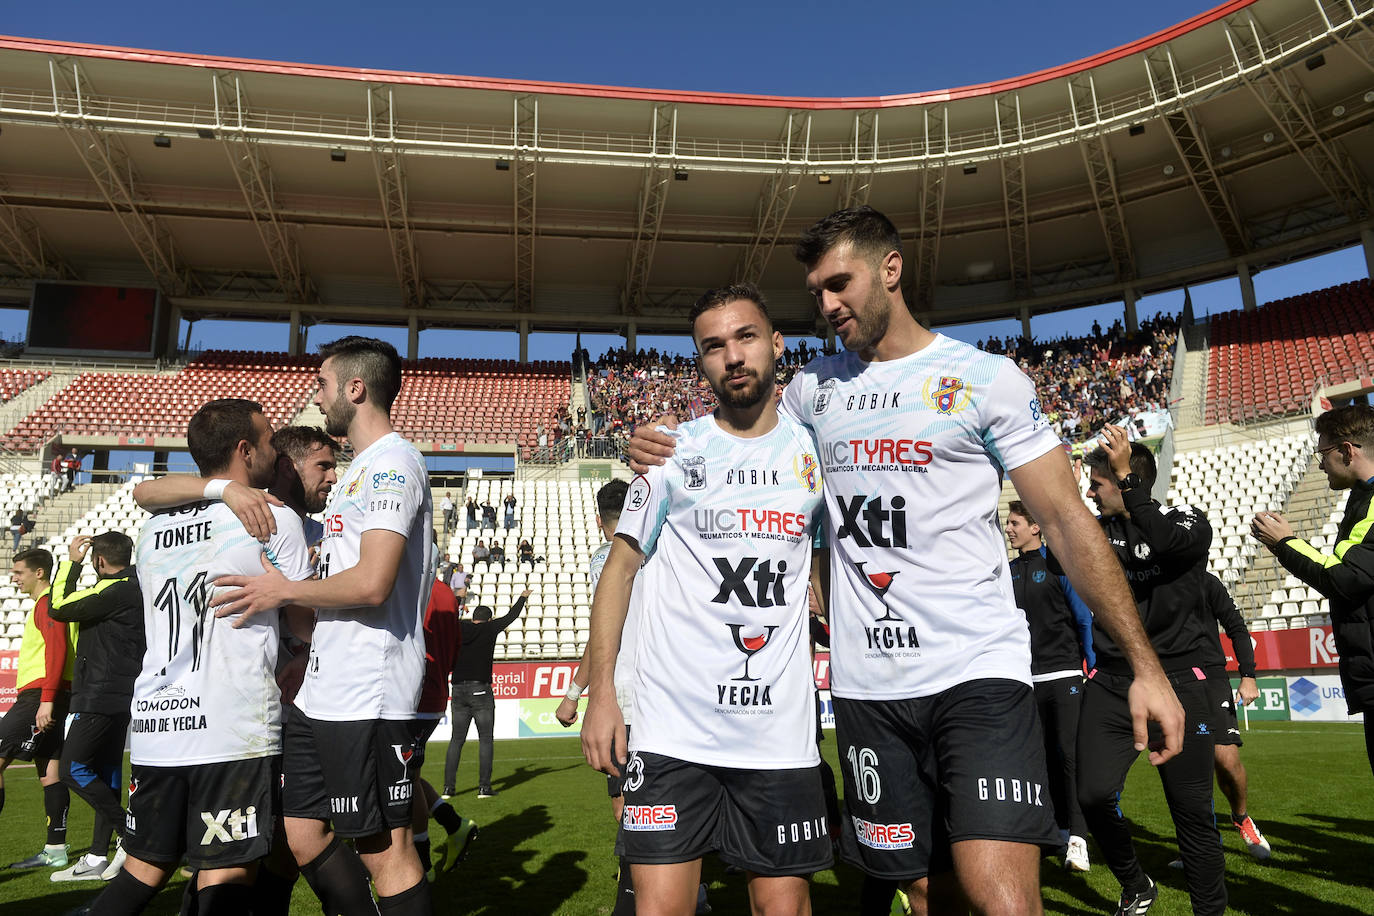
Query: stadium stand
{"points": [[13, 381], [1269, 361], [486, 401]]}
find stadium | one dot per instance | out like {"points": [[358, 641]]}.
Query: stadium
{"points": [[143, 192]]}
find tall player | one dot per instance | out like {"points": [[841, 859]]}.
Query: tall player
{"points": [[206, 738], [350, 745], [930, 662], [724, 744]]}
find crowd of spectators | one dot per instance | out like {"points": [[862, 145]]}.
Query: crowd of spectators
{"points": [[1087, 382]]}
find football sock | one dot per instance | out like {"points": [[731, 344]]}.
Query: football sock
{"points": [[272, 893], [123, 894], [447, 817], [411, 902], [227, 899], [422, 847], [57, 798], [338, 878]]}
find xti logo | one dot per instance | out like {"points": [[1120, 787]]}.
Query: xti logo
{"points": [[229, 826], [870, 523], [767, 591]]}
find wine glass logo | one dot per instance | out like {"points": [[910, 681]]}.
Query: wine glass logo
{"points": [[879, 583], [749, 645], [403, 756]]}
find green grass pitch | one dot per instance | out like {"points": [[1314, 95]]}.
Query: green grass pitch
{"points": [[545, 844]]}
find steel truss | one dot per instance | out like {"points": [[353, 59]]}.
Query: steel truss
{"points": [[932, 206], [779, 190], [391, 183], [526, 185], [1097, 160], [108, 162], [653, 200], [23, 245], [254, 177], [857, 184], [1014, 193]]}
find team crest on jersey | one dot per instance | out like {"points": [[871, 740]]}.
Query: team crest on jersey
{"points": [[1038, 576], [824, 392], [694, 472], [357, 482], [808, 472], [1142, 551], [946, 394]]}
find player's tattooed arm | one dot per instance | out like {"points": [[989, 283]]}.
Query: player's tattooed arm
{"points": [[253, 507], [603, 729]]}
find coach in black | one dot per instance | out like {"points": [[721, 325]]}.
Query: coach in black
{"points": [[1345, 451], [1164, 554], [109, 656]]}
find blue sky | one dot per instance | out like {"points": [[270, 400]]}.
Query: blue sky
{"points": [[786, 48]]}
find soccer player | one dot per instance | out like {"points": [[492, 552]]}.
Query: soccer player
{"points": [[1345, 452], [1164, 554], [350, 744], [1061, 639], [206, 737], [109, 655], [930, 659], [32, 729], [724, 746]]}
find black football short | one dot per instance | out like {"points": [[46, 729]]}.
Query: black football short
{"points": [[1221, 700], [426, 727], [20, 738], [964, 764], [359, 775], [613, 787], [218, 814], [769, 822]]}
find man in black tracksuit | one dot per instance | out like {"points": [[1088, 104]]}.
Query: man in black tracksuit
{"points": [[1345, 451], [1164, 555], [109, 656], [1061, 639]]}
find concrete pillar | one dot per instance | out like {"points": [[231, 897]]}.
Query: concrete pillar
{"points": [[631, 337], [294, 341], [1247, 286], [173, 331], [524, 328], [1129, 297], [1367, 240], [1025, 322], [413, 338]]}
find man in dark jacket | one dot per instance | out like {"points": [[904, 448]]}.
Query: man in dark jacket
{"points": [[1345, 451], [1164, 555], [109, 656], [473, 700]]}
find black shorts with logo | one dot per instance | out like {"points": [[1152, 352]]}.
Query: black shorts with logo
{"points": [[219, 814], [964, 764], [769, 822], [424, 731], [1221, 700], [20, 738], [359, 775], [613, 788]]}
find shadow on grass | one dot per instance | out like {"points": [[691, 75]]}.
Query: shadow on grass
{"points": [[474, 888]]}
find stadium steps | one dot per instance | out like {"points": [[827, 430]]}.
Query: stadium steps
{"points": [[54, 517], [28, 400], [1307, 510], [1194, 388]]}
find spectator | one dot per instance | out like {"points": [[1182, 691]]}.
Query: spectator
{"points": [[447, 507], [70, 465], [55, 474], [509, 504], [525, 553], [457, 578], [17, 527], [488, 515], [472, 513], [480, 554], [445, 568], [497, 554]]}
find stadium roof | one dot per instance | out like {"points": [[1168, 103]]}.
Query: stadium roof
{"points": [[253, 189]]}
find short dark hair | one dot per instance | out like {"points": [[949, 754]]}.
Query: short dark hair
{"points": [[1142, 463], [724, 295], [871, 234], [481, 612], [217, 429], [374, 361], [114, 547], [296, 442], [1351, 423], [36, 558], [610, 499], [1020, 509]]}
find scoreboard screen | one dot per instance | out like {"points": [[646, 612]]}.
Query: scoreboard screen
{"points": [[75, 318]]}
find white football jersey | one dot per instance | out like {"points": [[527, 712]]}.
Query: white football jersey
{"points": [[722, 669], [207, 692], [368, 662], [629, 634], [914, 450]]}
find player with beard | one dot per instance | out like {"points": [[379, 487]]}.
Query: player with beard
{"points": [[723, 751], [350, 746], [306, 471], [206, 734], [930, 659]]}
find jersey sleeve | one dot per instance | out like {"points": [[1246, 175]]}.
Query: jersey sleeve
{"points": [[1015, 430], [287, 548], [55, 650], [394, 489], [646, 508], [793, 398]]}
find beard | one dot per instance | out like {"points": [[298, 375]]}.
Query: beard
{"points": [[871, 324], [760, 386], [338, 416]]}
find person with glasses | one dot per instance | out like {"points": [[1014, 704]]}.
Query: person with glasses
{"points": [[1345, 576]]}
